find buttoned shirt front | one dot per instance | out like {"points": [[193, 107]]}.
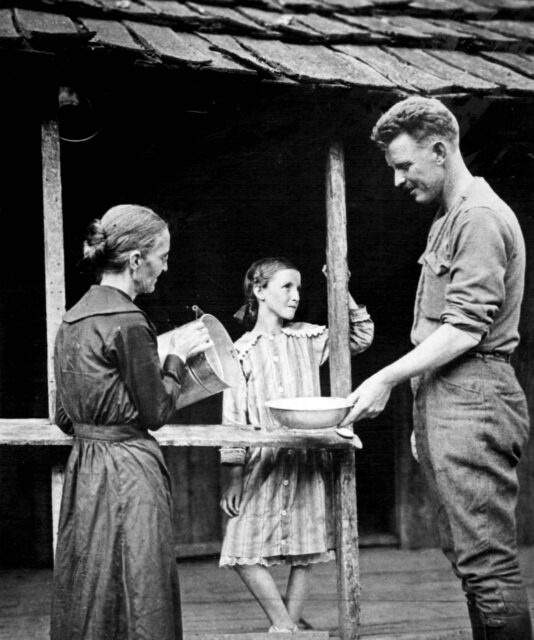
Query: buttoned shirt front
{"points": [[472, 274]]}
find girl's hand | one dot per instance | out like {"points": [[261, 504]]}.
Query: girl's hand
{"points": [[232, 493], [190, 339], [413, 446], [352, 303], [325, 271]]}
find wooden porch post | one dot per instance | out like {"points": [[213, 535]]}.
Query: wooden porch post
{"points": [[54, 269], [53, 239], [348, 570]]}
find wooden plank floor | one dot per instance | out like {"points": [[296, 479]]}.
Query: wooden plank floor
{"points": [[406, 595]]}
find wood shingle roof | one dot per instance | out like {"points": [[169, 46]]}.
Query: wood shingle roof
{"points": [[433, 47]]}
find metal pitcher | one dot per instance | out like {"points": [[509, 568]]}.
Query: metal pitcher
{"points": [[210, 372]]}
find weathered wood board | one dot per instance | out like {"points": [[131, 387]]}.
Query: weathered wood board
{"points": [[274, 22], [112, 34], [315, 63], [231, 48], [53, 240], [519, 29], [459, 79], [508, 79], [9, 36], [228, 18], [385, 25], [41, 432], [447, 36], [483, 34], [401, 74], [348, 565], [172, 9], [523, 63], [41, 25], [335, 29]]}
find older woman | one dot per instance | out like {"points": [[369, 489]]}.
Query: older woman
{"points": [[115, 573]]}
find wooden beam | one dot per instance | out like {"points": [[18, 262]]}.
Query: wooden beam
{"points": [[336, 260], [53, 240], [39, 432], [348, 573], [258, 635], [57, 480]]}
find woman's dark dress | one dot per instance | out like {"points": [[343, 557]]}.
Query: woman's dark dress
{"points": [[115, 573]]}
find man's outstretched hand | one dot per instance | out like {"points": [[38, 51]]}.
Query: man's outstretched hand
{"points": [[369, 399]]}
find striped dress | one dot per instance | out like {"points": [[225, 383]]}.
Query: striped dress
{"points": [[284, 513]]}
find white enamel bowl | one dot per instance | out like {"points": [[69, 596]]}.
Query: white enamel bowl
{"points": [[308, 413]]}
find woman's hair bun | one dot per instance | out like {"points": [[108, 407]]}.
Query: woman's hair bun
{"points": [[110, 240], [95, 240], [94, 248]]}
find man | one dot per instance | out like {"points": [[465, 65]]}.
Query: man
{"points": [[470, 414]]}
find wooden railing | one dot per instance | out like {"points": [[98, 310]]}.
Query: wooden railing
{"points": [[41, 432]]}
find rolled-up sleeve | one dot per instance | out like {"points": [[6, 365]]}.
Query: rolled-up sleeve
{"points": [[361, 333], [479, 255], [235, 413], [362, 329]]}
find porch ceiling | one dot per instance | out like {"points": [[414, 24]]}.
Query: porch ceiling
{"points": [[432, 47]]}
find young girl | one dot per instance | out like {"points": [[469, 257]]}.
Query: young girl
{"points": [[276, 498]]}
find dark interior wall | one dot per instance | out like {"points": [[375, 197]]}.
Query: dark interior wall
{"points": [[24, 476], [239, 176], [239, 173], [22, 298], [386, 236]]}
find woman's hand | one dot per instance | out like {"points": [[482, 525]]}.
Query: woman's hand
{"points": [[189, 340], [232, 492]]}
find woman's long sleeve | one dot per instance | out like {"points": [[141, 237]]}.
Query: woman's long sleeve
{"points": [[62, 419], [154, 390]]}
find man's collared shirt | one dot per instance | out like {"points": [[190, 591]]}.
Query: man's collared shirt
{"points": [[473, 270]]}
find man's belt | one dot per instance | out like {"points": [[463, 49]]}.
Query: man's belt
{"points": [[489, 355]]}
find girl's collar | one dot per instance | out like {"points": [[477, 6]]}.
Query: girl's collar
{"points": [[295, 330], [303, 330], [266, 334]]}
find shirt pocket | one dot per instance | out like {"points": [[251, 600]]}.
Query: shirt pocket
{"points": [[436, 273]]}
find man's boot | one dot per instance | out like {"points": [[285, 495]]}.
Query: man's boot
{"points": [[516, 628], [477, 626]]}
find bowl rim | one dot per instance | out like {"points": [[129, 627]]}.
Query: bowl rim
{"points": [[281, 403]]}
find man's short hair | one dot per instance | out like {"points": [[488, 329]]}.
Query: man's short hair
{"points": [[421, 118]]}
